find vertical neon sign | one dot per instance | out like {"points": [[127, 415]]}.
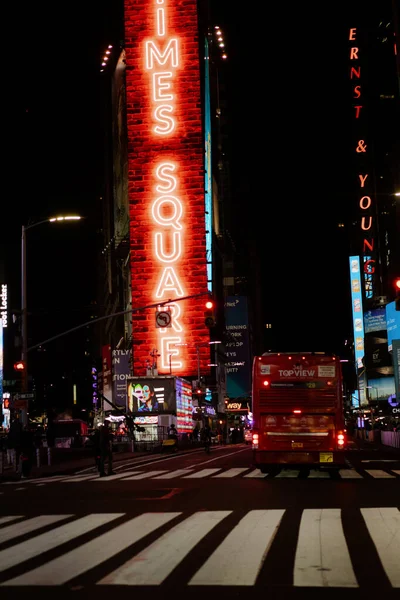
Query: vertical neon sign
{"points": [[166, 182], [362, 150]]}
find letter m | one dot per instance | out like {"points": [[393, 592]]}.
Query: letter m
{"points": [[170, 52]]}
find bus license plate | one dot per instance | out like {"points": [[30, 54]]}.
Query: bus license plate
{"points": [[297, 444], [326, 457]]}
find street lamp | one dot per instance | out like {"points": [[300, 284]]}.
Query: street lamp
{"points": [[24, 351]]}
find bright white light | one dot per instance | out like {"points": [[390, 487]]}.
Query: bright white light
{"points": [[67, 218]]}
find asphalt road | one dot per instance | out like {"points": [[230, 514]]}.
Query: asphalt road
{"points": [[205, 524]]}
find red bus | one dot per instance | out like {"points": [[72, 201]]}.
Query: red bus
{"points": [[297, 410]]}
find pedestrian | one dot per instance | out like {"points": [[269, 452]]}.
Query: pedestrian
{"points": [[27, 452], [105, 440]]}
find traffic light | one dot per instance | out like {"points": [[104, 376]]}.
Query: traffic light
{"points": [[397, 292], [19, 366], [209, 313]]}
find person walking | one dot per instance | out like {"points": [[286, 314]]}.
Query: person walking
{"points": [[105, 443]]}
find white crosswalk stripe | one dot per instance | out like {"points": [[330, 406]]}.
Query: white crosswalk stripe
{"points": [[379, 474], [232, 556], [215, 473], [239, 558], [384, 528], [322, 558]]}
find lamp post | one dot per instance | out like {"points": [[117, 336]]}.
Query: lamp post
{"points": [[24, 314]]}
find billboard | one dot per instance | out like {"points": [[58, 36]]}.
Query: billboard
{"points": [[374, 320], [121, 372], [157, 395], [149, 394], [392, 324], [357, 309], [238, 365], [166, 183]]}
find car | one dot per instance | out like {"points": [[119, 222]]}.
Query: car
{"points": [[248, 436]]}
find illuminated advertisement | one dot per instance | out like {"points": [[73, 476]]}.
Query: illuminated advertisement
{"points": [[208, 204], [357, 309], [392, 324], [1, 361], [374, 320], [156, 395], [184, 407], [238, 365], [362, 152], [150, 394], [166, 183], [4, 304]]}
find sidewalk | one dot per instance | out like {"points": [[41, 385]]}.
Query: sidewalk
{"points": [[71, 466], [375, 446]]}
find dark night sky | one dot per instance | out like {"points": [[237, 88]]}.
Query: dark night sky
{"points": [[288, 97]]}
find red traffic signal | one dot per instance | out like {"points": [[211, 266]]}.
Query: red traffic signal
{"points": [[19, 366], [209, 314]]}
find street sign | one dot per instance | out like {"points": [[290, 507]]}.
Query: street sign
{"points": [[163, 318], [24, 396]]}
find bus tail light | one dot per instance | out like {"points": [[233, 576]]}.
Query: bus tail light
{"points": [[340, 439], [255, 440]]}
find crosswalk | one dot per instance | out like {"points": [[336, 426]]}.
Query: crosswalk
{"points": [[204, 548], [193, 473]]}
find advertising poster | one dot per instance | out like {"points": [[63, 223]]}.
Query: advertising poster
{"points": [[121, 373], [374, 320], [396, 366], [238, 365]]}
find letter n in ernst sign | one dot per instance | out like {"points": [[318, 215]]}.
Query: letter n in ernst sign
{"points": [[166, 181]]}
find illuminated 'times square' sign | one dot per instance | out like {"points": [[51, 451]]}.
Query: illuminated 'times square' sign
{"points": [[166, 181]]}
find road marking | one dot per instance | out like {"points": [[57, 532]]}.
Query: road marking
{"points": [[117, 476], [378, 474], [256, 474], [238, 560], [383, 525], [318, 474], [173, 474], [288, 473], [13, 531], [79, 478], [156, 562], [349, 474], [47, 541], [231, 472], [46, 479], [201, 474], [381, 460], [78, 561], [4, 520], [322, 558], [396, 471], [219, 458], [145, 475]]}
